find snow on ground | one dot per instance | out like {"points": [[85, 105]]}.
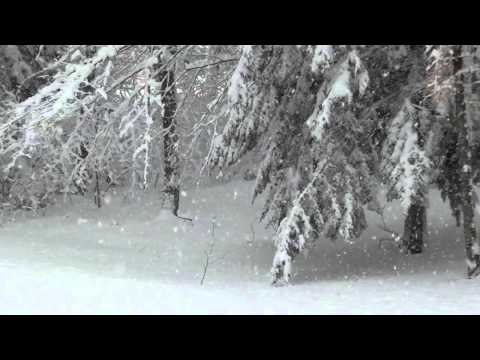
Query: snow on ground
{"points": [[129, 258]]}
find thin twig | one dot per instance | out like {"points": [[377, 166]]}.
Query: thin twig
{"points": [[208, 253]]}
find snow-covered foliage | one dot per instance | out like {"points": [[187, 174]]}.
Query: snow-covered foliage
{"points": [[96, 121], [350, 77], [323, 126], [322, 57], [312, 185], [345, 120], [249, 105], [406, 163]]}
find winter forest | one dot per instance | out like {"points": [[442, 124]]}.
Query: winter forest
{"points": [[239, 179]]}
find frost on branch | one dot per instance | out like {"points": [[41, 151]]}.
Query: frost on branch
{"points": [[406, 164], [330, 206], [249, 104], [60, 98], [322, 57], [349, 79]]}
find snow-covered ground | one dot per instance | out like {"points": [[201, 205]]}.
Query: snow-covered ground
{"points": [[128, 258]]}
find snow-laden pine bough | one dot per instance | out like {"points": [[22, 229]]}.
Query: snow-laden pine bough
{"points": [[323, 118]]}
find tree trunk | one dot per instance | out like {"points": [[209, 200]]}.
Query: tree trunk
{"points": [[416, 221], [98, 194], [414, 228], [464, 157], [166, 78], [88, 89]]}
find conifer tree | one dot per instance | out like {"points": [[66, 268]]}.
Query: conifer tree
{"points": [[456, 142], [406, 161], [301, 105]]}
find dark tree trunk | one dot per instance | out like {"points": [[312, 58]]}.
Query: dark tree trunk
{"points": [[98, 194], [464, 158], [416, 221], [166, 78], [88, 89], [414, 228]]}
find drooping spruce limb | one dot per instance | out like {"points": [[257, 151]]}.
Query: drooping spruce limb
{"points": [[279, 278], [474, 272], [282, 263]]}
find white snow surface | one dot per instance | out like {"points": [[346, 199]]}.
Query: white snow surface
{"points": [[131, 258]]}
